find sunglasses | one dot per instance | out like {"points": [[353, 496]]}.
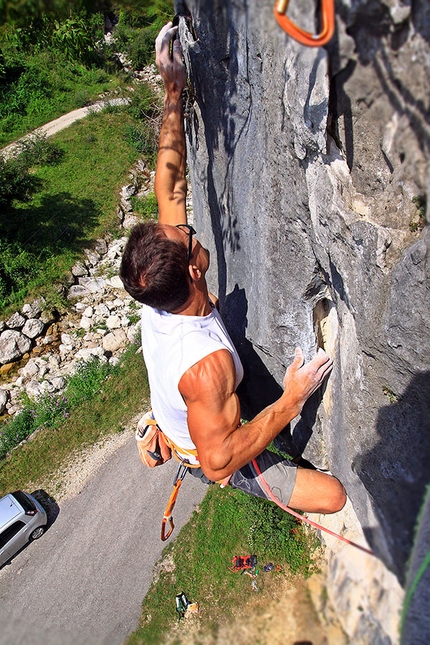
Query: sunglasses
{"points": [[189, 229]]}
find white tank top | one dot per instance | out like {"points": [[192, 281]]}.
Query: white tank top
{"points": [[171, 344]]}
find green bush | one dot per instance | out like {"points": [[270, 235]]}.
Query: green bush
{"points": [[38, 150], [141, 48], [75, 37], [142, 137], [21, 427], [136, 31], [87, 381], [16, 182], [145, 104], [16, 267]]}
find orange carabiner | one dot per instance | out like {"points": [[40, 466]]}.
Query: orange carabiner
{"points": [[302, 36], [168, 512], [179, 478], [164, 535]]}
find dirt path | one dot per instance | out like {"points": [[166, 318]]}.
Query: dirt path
{"points": [[61, 123]]}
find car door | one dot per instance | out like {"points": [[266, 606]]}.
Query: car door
{"points": [[12, 540]]}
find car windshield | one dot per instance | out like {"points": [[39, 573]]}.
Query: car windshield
{"points": [[25, 502]]}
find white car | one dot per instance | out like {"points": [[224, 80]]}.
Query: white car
{"points": [[22, 519]]}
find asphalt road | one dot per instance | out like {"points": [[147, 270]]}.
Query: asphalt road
{"points": [[84, 580]]}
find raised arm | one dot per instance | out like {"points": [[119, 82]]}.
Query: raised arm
{"points": [[170, 182], [222, 443]]}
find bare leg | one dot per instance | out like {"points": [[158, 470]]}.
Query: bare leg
{"points": [[317, 492]]}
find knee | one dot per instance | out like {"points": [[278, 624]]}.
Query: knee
{"points": [[336, 499]]}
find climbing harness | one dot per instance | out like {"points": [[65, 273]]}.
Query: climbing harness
{"points": [[302, 518], [299, 34], [155, 448]]}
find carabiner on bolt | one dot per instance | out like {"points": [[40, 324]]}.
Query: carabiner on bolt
{"points": [[299, 34]]}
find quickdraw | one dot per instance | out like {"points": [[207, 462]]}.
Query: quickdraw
{"points": [[179, 478], [299, 34]]}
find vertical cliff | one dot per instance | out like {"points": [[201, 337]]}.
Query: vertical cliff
{"points": [[309, 170]]}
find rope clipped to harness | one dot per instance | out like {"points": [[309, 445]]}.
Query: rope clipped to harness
{"points": [[289, 510], [299, 34]]}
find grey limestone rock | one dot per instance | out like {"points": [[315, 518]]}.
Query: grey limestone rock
{"points": [[13, 345], [77, 291], [4, 398], [33, 309], [92, 285], [114, 340], [310, 174], [79, 269], [33, 327], [16, 321]]}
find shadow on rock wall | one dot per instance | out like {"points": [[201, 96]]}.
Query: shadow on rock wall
{"points": [[222, 125], [396, 470], [259, 388], [376, 37]]}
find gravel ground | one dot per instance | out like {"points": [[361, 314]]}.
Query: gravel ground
{"points": [[70, 480]]}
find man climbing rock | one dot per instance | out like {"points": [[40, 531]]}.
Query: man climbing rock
{"points": [[193, 367]]}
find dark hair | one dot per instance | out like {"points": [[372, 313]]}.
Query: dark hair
{"points": [[154, 269]]}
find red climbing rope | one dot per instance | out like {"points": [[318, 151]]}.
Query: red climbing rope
{"points": [[301, 517], [299, 34]]}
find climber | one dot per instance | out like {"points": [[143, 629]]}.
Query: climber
{"points": [[192, 365]]}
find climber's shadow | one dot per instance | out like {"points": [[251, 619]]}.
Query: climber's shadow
{"points": [[396, 470], [259, 388]]}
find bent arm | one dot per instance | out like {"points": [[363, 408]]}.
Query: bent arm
{"points": [[170, 183], [223, 445]]}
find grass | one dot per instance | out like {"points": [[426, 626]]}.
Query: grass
{"points": [[76, 204], [49, 87], [99, 412], [227, 523], [50, 409], [146, 207]]}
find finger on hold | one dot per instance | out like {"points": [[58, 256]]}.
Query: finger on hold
{"points": [[177, 48], [321, 354], [298, 357], [164, 30], [161, 42]]}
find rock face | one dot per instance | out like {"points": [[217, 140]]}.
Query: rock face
{"points": [[309, 170]]}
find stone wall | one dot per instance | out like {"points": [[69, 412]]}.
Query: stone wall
{"points": [[309, 170]]}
